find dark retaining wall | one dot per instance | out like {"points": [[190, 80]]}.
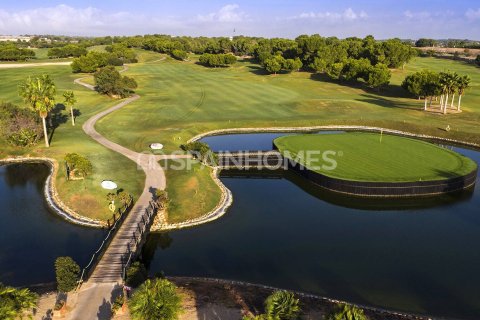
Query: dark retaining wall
{"points": [[386, 189]]}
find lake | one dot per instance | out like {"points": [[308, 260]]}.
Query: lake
{"points": [[32, 237], [413, 255]]}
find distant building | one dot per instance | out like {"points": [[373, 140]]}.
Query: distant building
{"points": [[15, 38]]}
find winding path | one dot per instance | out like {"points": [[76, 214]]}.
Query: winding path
{"points": [[95, 296]]}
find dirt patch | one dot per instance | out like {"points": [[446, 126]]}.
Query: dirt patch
{"points": [[84, 203]]}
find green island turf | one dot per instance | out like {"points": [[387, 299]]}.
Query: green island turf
{"points": [[375, 157]]}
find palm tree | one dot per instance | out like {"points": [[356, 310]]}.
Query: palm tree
{"points": [[39, 94], [155, 299], [282, 305], [70, 102], [444, 89], [346, 312], [15, 302], [462, 85], [455, 78]]}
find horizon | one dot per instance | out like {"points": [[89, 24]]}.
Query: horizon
{"points": [[284, 19]]}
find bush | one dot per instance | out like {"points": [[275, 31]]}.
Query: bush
{"points": [[70, 50], [10, 52], [95, 60], [201, 151], [67, 274], [477, 60], [280, 305], [19, 126], [109, 81], [346, 312], [136, 274], [179, 54], [217, 60], [14, 302], [155, 299]]}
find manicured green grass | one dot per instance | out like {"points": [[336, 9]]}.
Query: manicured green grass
{"points": [[192, 192], [182, 99], [86, 197], [374, 157]]}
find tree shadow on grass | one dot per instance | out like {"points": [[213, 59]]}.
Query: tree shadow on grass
{"points": [[258, 70], [386, 103], [56, 118], [390, 90]]}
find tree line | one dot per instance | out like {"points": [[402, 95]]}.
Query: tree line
{"points": [[10, 52], [441, 87]]}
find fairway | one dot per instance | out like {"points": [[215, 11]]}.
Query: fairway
{"points": [[375, 157], [182, 99]]}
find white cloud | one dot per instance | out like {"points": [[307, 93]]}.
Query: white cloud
{"points": [[228, 13], [473, 14], [90, 21], [347, 15]]}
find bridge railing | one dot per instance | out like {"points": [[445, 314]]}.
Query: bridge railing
{"points": [[138, 237], [122, 213]]}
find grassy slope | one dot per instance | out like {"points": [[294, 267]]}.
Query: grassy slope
{"points": [[85, 197], [375, 157], [192, 192], [182, 99]]}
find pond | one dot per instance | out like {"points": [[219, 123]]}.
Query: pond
{"points": [[32, 237], [417, 255]]}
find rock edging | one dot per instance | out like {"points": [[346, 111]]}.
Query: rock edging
{"points": [[51, 194], [220, 210], [303, 295], [227, 197]]}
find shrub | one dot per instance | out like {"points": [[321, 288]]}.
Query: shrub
{"points": [[67, 274], [179, 54], [201, 151], [155, 299], [14, 302], [10, 52], [19, 126], [70, 50], [136, 274], [346, 312], [280, 305]]}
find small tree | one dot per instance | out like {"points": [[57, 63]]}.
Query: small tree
{"points": [[155, 299], [378, 76], [78, 165], [109, 81], [274, 65], [70, 102], [67, 273]]}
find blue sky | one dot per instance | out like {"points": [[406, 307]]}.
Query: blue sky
{"points": [[342, 18]]}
